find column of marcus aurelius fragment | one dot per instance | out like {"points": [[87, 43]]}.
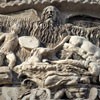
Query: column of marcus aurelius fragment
{"points": [[49, 50]]}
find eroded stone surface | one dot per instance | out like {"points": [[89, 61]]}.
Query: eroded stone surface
{"points": [[28, 42], [50, 63], [5, 75]]}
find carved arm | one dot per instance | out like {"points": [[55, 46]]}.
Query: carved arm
{"points": [[2, 37]]}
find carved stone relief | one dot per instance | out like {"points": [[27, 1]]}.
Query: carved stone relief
{"points": [[46, 55]]}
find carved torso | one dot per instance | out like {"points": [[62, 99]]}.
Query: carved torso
{"points": [[10, 43]]}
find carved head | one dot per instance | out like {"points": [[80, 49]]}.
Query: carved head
{"points": [[51, 13]]}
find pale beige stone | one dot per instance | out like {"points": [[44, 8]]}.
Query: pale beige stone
{"points": [[93, 93], [5, 75], [28, 42]]}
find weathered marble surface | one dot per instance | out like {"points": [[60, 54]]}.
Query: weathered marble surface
{"points": [[61, 62], [28, 42], [5, 75]]}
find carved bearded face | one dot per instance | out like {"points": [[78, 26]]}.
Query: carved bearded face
{"points": [[50, 20], [50, 13]]}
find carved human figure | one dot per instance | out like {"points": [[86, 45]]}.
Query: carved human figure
{"points": [[86, 47], [47, 29], [10, 43], [52, 14], [87, 50], [41, 53]]}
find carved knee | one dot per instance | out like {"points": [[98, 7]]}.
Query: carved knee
{"points": [[12, 59]]}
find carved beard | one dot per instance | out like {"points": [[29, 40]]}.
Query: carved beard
{"points": [[48, 33]]}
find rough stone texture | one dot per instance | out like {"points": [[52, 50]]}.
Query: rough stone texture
{"points": [[5, 75], [78, 5], [57, 67], [28, 42]]}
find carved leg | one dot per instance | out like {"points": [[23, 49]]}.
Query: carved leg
{"points": [[81, 63], [12, 60]]}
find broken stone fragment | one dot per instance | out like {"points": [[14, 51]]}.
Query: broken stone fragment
{"points": [[94, 68], [93, 93], [59, 94], [28, 42], [5, 76]]}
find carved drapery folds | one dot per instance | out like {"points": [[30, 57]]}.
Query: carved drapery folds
{"points": [[53, 59]]}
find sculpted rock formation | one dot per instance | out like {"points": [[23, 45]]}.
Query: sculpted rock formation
{"points": [[49, 58]]}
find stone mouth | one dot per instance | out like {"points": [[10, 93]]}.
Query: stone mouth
{"points": [[50, 16]]}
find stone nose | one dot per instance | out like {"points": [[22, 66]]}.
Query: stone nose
{"points": [[49, 12]]}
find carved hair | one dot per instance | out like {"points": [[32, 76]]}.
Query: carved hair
{"points": [[16, 27], [48, 35], [49, 30], [55, 13]]}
